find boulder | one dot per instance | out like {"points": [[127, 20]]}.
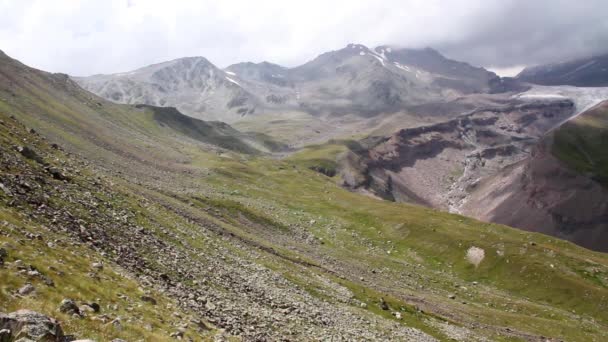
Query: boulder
{"points": [[26, 289], [69, 306], [29, 153], [56, 173], [148, 299], [96, 307], [29, 325], [383, 304], [3, 255]]}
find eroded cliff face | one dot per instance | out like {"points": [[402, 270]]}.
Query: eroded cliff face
{"points": [[543, 195], [440, 164], [497, 165]]}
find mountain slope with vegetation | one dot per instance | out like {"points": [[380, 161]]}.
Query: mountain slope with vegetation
{"points": [[257, 248], [581, 143]]}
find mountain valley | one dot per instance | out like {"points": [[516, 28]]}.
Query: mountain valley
{"points": [[260, 202]]}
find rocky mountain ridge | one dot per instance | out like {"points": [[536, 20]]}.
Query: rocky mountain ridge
{"points": [[353, 80], [191, 84]]}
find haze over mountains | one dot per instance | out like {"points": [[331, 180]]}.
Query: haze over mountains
{"points": [[258, 202]]}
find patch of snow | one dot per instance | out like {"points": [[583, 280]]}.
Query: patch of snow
{"points": [[378, 58], [583, 98], [277, 76], [230, 73], [382, 54], [540, 96], [233, 81], [362, 53], [126, 73], [402, 67], [389, 50]]}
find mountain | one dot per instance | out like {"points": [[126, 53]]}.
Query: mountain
{"points": [[264, 73], [120, 206], [354, 80], [583, 72], [492, 164], [192, 84], [433, 164], [561, 189]]}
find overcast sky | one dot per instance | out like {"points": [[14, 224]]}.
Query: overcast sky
{"points": [[106, 36]]}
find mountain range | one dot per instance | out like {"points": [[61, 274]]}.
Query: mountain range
{"points": [[353, 80], [317, 210], [432, 128]]}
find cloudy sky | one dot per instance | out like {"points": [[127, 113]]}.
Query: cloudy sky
{"points": [[105, 36]]}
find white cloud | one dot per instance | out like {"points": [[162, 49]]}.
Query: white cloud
{"points": [[85, 37]]}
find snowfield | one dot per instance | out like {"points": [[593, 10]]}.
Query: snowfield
{"points": [[583, 97]]}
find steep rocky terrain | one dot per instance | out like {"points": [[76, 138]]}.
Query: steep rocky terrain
{"points": [[561, 189], [583, 72], [193, 85], [472, 163], [434, 164], [254, 248]]}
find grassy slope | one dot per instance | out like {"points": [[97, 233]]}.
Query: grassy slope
{"points": [[537, 284], [68, 263], [74, 261], [582, 142], [434, 244]]}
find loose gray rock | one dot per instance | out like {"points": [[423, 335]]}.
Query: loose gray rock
{"points": [[3, 255], [29, 325], [96, 307], [69, 306], [148, 299], [178, 334], [116, 324], [383, 304], [26, 289], [5, 335], [57, 174], [29, 153]]}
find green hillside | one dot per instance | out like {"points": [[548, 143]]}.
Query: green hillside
{"points": [[256, 247], [582, 143]]}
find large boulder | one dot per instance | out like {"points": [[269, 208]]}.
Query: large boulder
{"points": [[30, 153], [26, 324], [69, 306]]}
